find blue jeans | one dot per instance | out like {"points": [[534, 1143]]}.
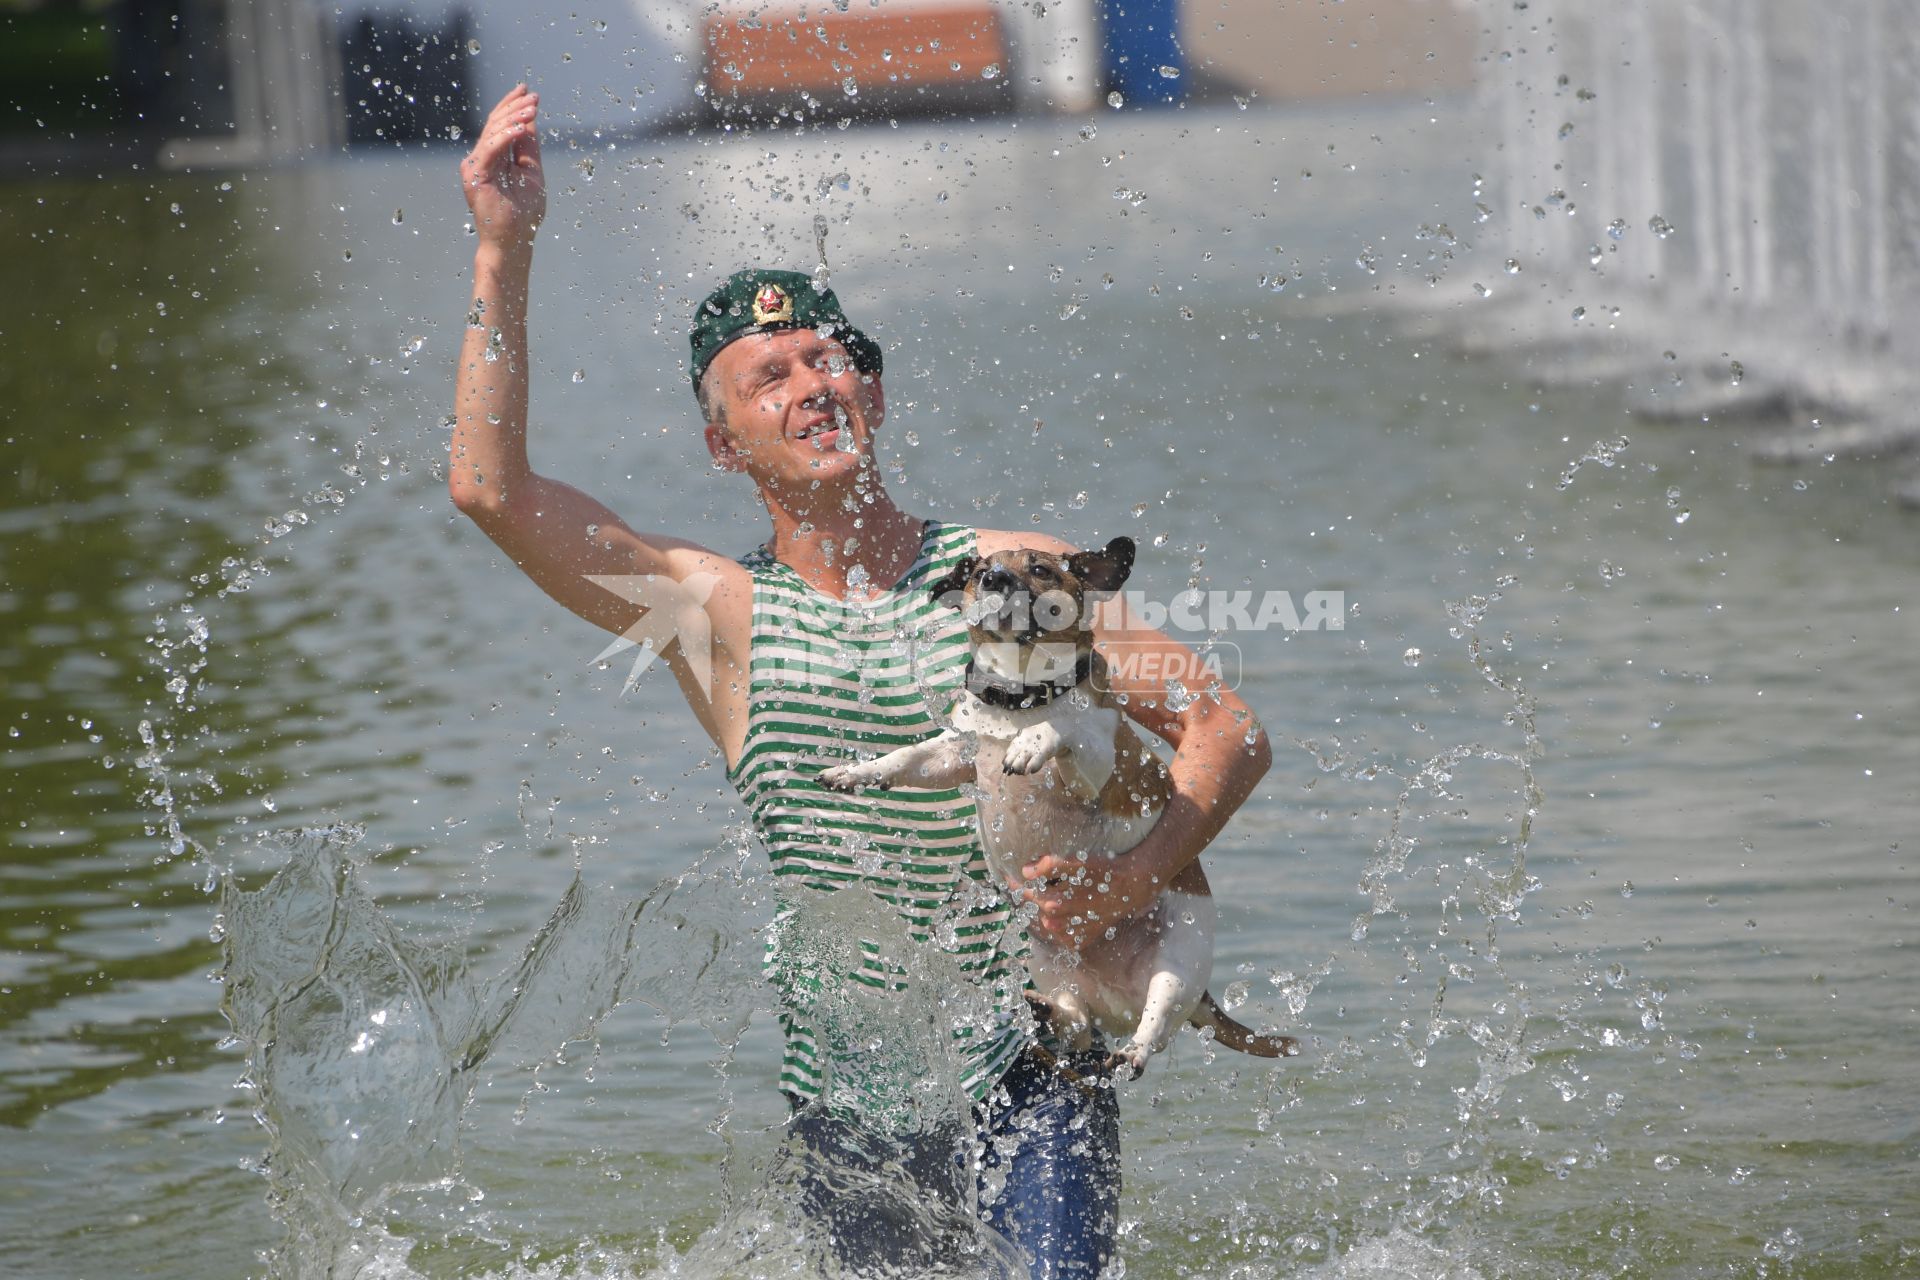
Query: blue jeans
{"points": [[889, 1205]]}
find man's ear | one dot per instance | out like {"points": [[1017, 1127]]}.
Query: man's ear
{"points": [[1103, 570], [725, 456], [947, 590]]}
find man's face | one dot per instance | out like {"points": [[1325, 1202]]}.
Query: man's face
{"points": [[795, 411]]}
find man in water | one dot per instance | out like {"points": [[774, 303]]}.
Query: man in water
{"points": [[806, 667]]}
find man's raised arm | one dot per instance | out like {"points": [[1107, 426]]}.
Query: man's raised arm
{"points": [[559, 536]]}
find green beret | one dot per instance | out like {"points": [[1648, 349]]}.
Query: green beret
{"points": [[760, 301]]}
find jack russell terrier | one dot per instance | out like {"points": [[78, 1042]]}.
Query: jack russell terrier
{"points": [[1059, 770]]}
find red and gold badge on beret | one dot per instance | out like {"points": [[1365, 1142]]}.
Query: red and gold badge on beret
{"points": [[772, 305]]}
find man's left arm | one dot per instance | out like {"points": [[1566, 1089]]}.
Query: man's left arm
{"points": [[1220, 754]]}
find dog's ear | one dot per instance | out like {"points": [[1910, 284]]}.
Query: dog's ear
{"points": [[947, 590], [1103, 570]]}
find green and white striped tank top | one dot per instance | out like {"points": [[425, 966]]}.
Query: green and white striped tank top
{"points": [[833, 680]]}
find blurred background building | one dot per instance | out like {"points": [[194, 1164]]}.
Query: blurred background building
{"points": [[197, 82], [1745, 168]]}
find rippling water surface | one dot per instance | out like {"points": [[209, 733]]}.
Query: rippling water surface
{"points": [[1662, 1028]]}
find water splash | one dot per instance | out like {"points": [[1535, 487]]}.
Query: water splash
{"points": [[366, 1049]]}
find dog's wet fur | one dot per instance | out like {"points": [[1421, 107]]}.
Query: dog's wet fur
{"points": [[1060, 770]]}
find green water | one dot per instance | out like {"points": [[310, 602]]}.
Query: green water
{"points": [[1706, 988]]}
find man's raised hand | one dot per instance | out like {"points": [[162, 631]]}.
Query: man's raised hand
{"points": [[501, 177]]}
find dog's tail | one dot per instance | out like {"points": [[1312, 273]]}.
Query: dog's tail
{"points": [[1236, 1035]]}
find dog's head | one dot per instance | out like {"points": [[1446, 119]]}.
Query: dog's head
{"points": [[1028, 597]]}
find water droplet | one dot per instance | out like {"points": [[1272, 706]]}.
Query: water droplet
{"points": [[1617, 228], [1666, 1163], [1660, 226], [990, 72], [1413, 657], [850, 87], [473, 46], [1566, 131], [399, 216], [1114, 100], [1169, 73], [1513, 266], [1738, 371], [579, 375], [1481, 213], [1579, 313], [1481, 290]]}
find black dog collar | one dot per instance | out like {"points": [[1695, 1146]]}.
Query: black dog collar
{"points": [[1018, 695]]}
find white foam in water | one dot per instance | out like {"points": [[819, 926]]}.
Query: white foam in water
{"points": [[1399, 1255]]}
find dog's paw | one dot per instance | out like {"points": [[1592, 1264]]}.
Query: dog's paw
{"points": [[1031, 749], [848, 777], [1128, 1062], [1021, 763]]}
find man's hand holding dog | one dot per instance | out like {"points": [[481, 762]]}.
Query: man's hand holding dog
{"points": [[1081, 895]]}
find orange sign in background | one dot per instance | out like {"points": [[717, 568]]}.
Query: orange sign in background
{"points": [[761, 55]]}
